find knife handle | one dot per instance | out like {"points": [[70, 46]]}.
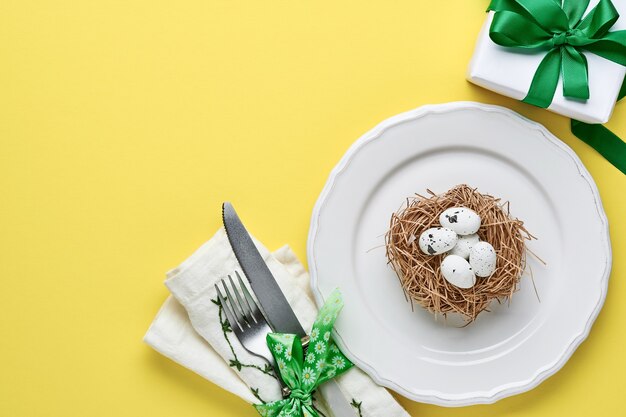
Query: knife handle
{"points": [[337, 403]]}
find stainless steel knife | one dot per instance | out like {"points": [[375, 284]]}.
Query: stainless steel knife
{"points": [[272, 300], [273, 303]]}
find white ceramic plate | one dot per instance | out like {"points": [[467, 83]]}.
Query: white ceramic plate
{"points": [[506, 351]]}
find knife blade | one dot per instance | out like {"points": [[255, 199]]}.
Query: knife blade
{"points": [[272, 300]]}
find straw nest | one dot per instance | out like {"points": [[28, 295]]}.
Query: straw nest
{"points": [[420, 274]]}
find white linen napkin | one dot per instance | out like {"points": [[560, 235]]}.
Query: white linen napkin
{"points": [[189, 329]]}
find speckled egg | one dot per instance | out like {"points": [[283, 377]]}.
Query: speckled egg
{"points": [[437, 240], [483, 259], [458, 272], [464, 245], [460, 219]]}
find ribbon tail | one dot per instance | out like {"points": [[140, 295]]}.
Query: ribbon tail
{"points": [[274, 409], [574, 69], [605, 142], [545, 80], [310, 411]]}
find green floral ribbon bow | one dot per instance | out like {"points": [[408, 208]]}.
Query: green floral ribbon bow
{"points": [[558, 28], [302, 374]]}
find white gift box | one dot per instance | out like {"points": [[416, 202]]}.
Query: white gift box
{"points": [[510, 72]]}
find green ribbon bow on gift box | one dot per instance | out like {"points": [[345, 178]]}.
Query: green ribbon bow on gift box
{"points": [[303, 374], [564, 34], [559, 28]]}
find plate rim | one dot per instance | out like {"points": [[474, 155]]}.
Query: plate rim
{"points": [[504, 390]]}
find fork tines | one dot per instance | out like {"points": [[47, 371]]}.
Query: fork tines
{"points": [[241, 309]]}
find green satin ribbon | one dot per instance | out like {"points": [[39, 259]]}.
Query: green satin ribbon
{"points": [[561, 31], [559, 28], [605, 142], [303, 374]]}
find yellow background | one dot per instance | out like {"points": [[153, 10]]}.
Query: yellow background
{"points": [[125, 123]]}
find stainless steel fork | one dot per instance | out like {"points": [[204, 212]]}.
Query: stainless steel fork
{"points": [[245, 317], [247, 321], [251, 328]]}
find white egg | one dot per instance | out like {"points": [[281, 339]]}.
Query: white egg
{"points": [[458, 272], [483, 259], [464, 245], [460, 219], [437, 240]]}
